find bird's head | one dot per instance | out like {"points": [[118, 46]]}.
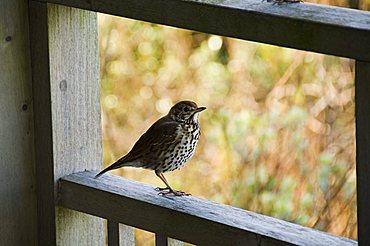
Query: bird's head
{"points": [[185, 111]]}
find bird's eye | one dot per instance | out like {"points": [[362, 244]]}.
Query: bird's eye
{"points": [[186, 109]]}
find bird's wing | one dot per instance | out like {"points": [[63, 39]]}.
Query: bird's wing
{"points": [[162, 133]]}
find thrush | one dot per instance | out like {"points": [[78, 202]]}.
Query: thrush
{"points": [[167, 145]]}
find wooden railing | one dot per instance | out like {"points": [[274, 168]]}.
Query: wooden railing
{"points": [[66, 109], [189, 219]]}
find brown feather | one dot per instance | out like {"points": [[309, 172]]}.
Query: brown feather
{"points": [[159, 135]]}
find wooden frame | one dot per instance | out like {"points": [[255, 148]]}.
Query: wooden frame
{"points": [[65, 88], [64, 45], [312, 27]]}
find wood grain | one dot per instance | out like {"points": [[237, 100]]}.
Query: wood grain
{"points": [[187, 219], [362, 87], [17, 177], [324, 29], [75, 92], [126, 235]]}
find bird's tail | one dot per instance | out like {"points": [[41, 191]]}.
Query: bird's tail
{"points": [[104, 171], [119, 163]]}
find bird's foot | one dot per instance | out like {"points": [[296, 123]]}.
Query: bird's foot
{"points": [[161, 189], [167, 191], [283, 1]]}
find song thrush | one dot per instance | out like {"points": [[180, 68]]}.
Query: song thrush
{"points": [[167, 145]]}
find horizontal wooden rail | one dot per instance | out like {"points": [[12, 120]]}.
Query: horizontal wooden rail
{"points": [[324, 29], [189, 219]]}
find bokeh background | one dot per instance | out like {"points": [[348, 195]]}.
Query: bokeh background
{"points": [[278, 134]]}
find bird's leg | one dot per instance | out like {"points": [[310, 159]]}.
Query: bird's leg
{"points": [[168, 190], [161, 176]]}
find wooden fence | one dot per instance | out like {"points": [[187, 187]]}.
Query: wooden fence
{"points": [[67, 134]]}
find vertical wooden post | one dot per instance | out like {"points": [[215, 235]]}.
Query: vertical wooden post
{"points": [[161, 240], [126, 235], [75, 97], [362, 87], [66, 89], [17, 176], [113, 233], [119, 234], [43, 140]]}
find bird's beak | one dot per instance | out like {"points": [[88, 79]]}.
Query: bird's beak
{"points": [[200, 109]]}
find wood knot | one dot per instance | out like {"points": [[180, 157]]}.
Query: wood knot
{"points": [[63, 85], [24, 107]]}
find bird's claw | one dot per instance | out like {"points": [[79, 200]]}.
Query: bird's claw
{"points": [[161, 189], [168, 191]]}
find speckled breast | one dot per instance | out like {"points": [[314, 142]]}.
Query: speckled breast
{"points": [[183, 150]]}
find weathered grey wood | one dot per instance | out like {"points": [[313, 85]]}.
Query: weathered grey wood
{"points": [[42, 124], [75, 92], [126, 235], [362, 87], [66, 87], [113, 233], [18, 222], [188, 219], [67, 115], [174, 242], [325, 29]]}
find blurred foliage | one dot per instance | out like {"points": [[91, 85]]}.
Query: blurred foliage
{"points": [[278, 134]]}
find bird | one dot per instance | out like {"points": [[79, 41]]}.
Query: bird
{"points": [[166, 146]]}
